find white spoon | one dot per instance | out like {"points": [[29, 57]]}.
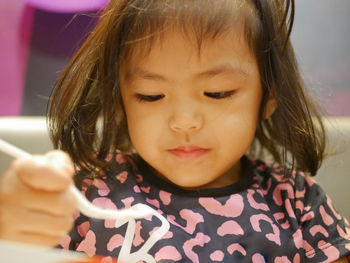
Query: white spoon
{"points": [[85, 206]]}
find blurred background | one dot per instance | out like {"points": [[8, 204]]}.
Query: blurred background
{"points": [[38, 38]]}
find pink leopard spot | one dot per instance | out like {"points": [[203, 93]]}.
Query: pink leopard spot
{"points": [[341, 232], [168, 235], [88, 245], [296, 258], [217, 255], [258, 258], [330, 205], [298, 239], [110, 223], [115, 241], [307, 208], [308, 216], [64, 242], [165, 197], [128, 201], [265, 191], [168, 253], [309, 250], [137, 189], [122, 176], [260, 168], [120, 158], [149, 217], [87, 182], [153, 202], [278, 216], [232, 208], [275, 236], [254, 204], [299, 205], [289, 208], [83, 189], [230, 228], [285, 225], [331, 252], [76, 214], [283, 259], [327, 219], [103, 189], [191, 218], [145, 189], [200, 240], [300, 194], [318, 229], [83, 228], [138, 240], [277, 193], [236, 247], [109, 157], [106, 203], [138, 178]]}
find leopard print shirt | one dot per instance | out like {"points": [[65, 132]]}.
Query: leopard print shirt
{"points": [[264, 217]]}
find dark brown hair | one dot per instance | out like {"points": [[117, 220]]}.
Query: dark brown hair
{"points": [[88, 90]]}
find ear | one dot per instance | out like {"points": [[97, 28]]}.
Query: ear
{"points": [[270, 106]]}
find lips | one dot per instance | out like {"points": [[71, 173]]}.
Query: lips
{"points": [[188, 152]]}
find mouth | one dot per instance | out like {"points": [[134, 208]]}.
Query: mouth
{"points": [[188, 152]]}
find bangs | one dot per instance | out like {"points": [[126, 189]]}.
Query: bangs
{"points": [[147, 21]]}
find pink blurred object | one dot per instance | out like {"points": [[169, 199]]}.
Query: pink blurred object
{"points": [[15, 30], [67, 6]]}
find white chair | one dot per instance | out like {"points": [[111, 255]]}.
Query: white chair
{"points": [[28, 133]]}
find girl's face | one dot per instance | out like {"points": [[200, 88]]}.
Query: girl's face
{"points": [[192, 117]]}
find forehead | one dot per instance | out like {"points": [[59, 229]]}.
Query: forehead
{"points": [[176, 54]]}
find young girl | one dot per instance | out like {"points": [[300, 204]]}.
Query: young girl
{"points": [[169, 103]]}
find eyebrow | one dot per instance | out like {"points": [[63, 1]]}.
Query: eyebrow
{"points": [[225, 68], [220, 69]]}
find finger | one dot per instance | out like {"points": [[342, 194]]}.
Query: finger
{"points": [[61, 160], [34, 239], [51, 172], [35, 222], [26, 198]]}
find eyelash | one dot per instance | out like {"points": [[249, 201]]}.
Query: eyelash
{"points": [[213, 95], [220, 95], [149, 98]]}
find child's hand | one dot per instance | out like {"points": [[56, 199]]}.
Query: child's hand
{"points": [[35, 203]]}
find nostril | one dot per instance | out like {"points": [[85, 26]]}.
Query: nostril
{"points": [[185, 124]]}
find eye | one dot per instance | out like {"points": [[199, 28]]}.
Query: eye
{"points": [[148, 98], [220, 95]]}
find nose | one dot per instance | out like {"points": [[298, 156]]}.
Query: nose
{"points": [[185, 118]]}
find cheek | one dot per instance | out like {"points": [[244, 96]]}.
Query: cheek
{"points": [[235, 138], [238, 125], [143, 127]]}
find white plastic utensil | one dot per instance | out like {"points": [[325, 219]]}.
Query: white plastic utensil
{"points": [[85, 206]]}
